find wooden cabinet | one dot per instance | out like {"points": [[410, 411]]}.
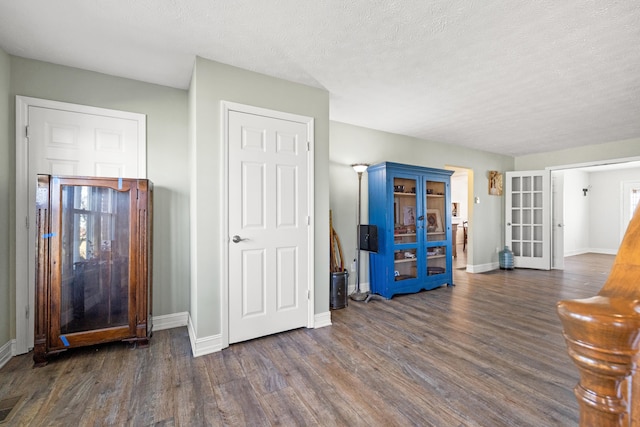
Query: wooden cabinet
{"points": [[93, 273], [411, 206]]}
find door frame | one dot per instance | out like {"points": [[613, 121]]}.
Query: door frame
{"points": [[25, 303], [225, 108]]}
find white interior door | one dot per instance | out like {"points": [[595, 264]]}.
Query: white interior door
{"points": [[557, 220], [269, 225], [528, 218], [630, 202], [64, 139]]}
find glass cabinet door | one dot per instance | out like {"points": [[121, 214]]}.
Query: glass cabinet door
{"points": [[404, 232], [95, 241], [435, 227]]}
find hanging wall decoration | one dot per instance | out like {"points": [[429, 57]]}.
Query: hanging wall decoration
{"points": [[495, 183]]}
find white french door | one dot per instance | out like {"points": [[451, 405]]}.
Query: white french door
{"points": [[269, 217], [528, 218], [58, 138]]}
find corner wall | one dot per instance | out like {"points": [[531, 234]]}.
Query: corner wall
{"points": [[7, 313], [166, 111], [212, 83], [352, 144]]}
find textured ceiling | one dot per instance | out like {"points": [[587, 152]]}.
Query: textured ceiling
{"points": [[505, 76]]}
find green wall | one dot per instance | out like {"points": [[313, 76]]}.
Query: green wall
{"points": [[6, 192], [167, 162], [352, 144], [212, 83]]}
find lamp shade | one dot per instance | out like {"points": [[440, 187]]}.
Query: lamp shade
{"points": [[360, 167]]}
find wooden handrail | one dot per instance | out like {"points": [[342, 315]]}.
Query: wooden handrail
{"points": [[603, 339]]}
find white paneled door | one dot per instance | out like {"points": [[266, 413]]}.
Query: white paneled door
{"points": [[64, 139], [528, 218], [269, 225]]}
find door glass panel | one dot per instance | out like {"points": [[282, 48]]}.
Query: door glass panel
{"points": [[537, 183], [436, 260], [537, 249], [515, 233], [404, 204], [515, 216], [405, 266], [516, 249], [435, 215], [515, 183], [537, 200], [95, 258], [515, 200]]}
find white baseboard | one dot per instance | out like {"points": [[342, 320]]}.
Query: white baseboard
{"points": [[7, 351], [576, 252], [364, 287], [169, 321], [202, 346], [603, 251], [482, 268], [321, 320]]}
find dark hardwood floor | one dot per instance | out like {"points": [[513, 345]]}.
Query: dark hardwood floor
{"points": [[487, 352]]}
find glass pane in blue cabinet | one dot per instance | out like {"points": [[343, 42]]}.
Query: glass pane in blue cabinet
{"points": [[436, 260], [404, 215], [95, 258], [404, 264], [435, 214]]}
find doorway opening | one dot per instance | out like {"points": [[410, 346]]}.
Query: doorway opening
{"points": [[588, 212], [462, 213]]}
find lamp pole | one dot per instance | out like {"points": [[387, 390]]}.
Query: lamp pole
{"points": [[358, 295]]}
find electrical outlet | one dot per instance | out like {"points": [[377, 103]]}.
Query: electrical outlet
{"points": [[353, 266]]}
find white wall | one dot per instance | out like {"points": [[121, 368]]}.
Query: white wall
{"points": [[605, 203], [212, 83], [7, 154], [166, 111], [576, 212], [352, 144]]}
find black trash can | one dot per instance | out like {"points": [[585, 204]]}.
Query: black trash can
{"points": [[339, 289]]}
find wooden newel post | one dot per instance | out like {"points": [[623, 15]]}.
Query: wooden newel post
{"points": [[603, 340]]}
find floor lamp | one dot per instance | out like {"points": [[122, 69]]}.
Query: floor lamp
{"points": [[358, 295]]}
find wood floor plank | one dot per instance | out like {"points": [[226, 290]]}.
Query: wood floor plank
{"points": [[487, 352]]}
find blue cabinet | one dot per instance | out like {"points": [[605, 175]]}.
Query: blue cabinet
{"points": [[411, 206]]}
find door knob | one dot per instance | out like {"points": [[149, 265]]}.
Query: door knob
{"points": [[237, 239]]}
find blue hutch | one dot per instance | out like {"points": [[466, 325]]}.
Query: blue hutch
{"points": [[411, 206]]}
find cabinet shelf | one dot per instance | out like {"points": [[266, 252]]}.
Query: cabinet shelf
{"points": [[403, 260]]}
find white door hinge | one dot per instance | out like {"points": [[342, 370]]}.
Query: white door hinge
{"points": [[308, 294], [308, 220], [26, 221], [26, 131], [26, 311], [308, 145]]}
